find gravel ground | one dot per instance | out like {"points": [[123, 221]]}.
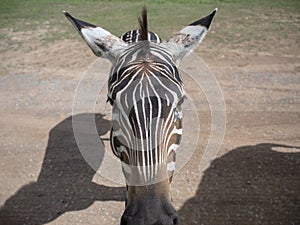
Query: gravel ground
{"points": [[255, 178]]}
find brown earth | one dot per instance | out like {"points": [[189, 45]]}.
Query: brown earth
{"points": [[254, 180]]}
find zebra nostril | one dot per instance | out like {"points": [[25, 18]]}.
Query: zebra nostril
{"points": [[175, 221]]}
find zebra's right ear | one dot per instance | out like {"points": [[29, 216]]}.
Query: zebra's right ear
{"points": [[101, 42], [188, 38]]}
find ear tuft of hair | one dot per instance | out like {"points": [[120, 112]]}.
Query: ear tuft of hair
{"points": [[143, 24]]}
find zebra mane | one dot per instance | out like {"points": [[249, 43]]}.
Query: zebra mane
{"points": [[143, 24]]}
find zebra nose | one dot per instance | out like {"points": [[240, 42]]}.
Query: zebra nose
{"points": [[173, 220]]}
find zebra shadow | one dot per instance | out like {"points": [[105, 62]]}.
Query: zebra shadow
{"points": [[64, 183], [249, 185]]}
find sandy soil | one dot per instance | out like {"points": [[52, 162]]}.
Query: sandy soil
{"points": [[44, 179]]}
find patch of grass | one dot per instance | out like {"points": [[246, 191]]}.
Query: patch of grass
{"points": [[3, 36], [238, 22], [115, 16]]}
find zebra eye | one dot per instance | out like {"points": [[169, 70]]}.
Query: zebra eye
{"points": [[110, 100], [176, 113], [181, 101]]}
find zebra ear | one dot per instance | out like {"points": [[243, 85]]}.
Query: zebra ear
{"points": [[187, 39], [101, 42]]}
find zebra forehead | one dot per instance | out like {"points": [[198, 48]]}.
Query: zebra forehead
{"points": [[144, 70]]}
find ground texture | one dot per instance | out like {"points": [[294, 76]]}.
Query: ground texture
{"points": [[255, 178]]}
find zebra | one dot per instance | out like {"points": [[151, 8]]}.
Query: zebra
{"points": [[146, 92]]}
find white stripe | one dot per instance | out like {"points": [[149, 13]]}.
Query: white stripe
{"points": [[171, 166], [177, 131], [172, 147], [126, 167]]}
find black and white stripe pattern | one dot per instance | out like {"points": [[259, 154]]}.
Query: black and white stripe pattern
{"points": [[146, 92], [134, 36]]}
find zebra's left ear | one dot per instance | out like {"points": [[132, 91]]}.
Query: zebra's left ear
{"points": [[187, 39], [101, 42]]}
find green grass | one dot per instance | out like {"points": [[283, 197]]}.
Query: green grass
{"points": [[237, 22], [117, 16]]}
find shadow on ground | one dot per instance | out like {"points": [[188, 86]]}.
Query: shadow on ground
{"points": [[64, 183], [248, 185]]}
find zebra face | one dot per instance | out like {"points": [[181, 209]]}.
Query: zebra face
{"points": [[146, 92]]}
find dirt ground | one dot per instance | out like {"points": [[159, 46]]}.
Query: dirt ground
{"points": [[254, 180]]}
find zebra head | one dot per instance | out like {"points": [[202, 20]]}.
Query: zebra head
{"points": [[146, 91]]}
